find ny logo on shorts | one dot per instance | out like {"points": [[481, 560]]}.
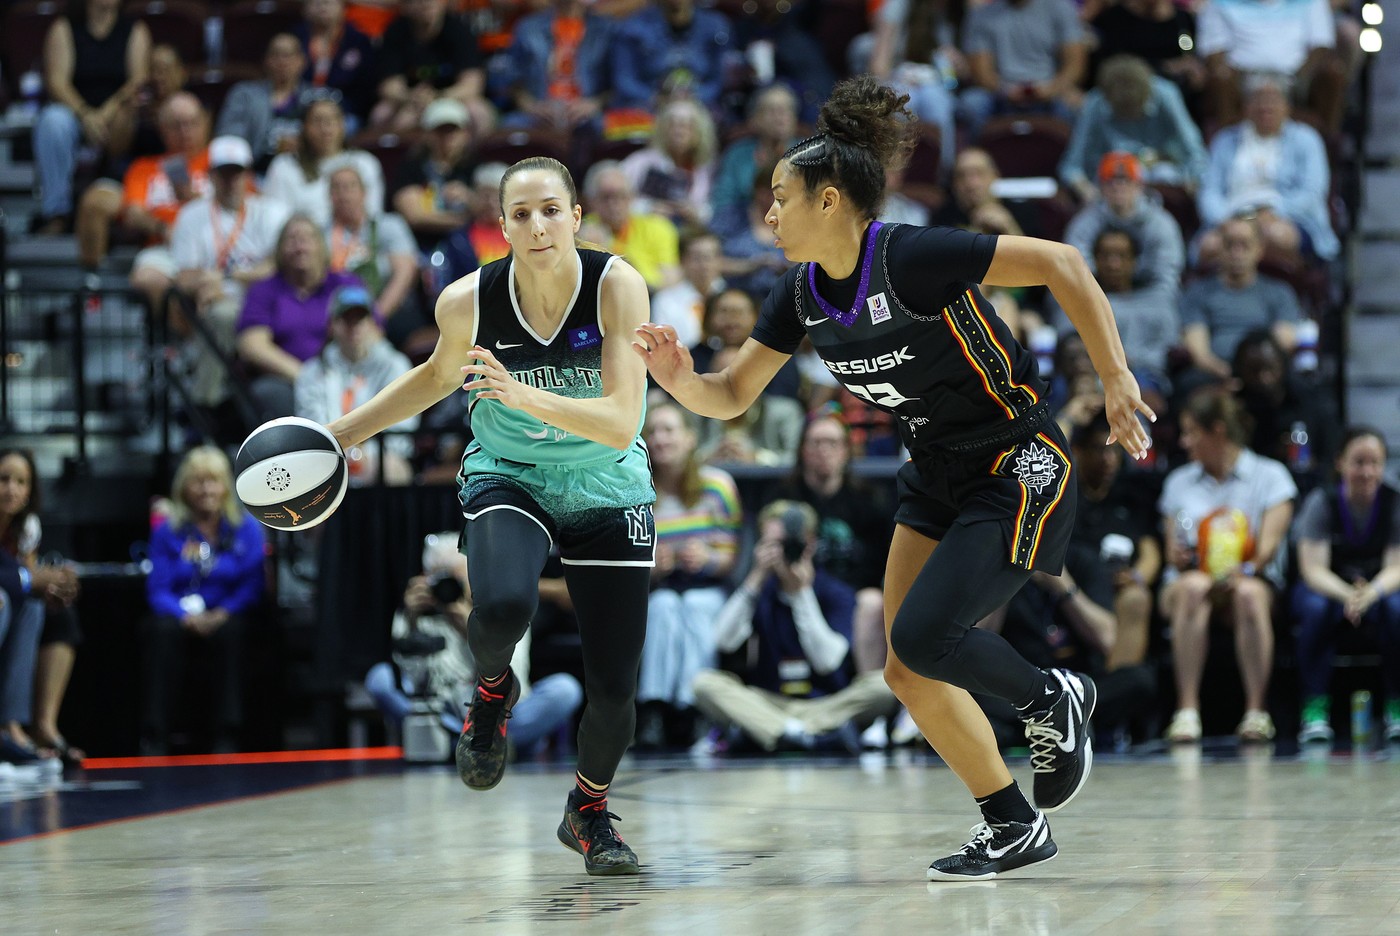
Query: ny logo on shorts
{"points": [[639, 529], [1035, 468]]}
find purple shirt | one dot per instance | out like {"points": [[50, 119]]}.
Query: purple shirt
{"points": [[299, 325]]}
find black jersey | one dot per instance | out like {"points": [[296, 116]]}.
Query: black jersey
{"points": [[910, 332], [569, 363]]}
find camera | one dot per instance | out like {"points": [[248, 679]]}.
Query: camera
{"points": [[794, 536], [445, 588]]}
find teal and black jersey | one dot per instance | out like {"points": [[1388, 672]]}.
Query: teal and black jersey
{"points": [[569, 363]]}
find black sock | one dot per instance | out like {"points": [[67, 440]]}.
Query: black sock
{"points": [[1006, 805], [1040, 696], [583, 796], [494, 683]]}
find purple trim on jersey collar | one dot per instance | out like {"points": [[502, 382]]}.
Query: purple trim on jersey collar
{"points": [[849, 318]]}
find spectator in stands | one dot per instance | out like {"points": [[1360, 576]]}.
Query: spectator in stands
{"points": [[433, 188], [150, 196], [206, 579], [772, 128], [1024, 56], [728, 320], [1159, 32], [698, 521], [268, 111], [752, 261], [1294, 419], [299, 180], [800, 687], [1225, 517], [853, 528], [338, 57], [168, 78], [1349, 561], [672, 175], [682, 306], [670, 49], [355, 364], [975, 207], [1271, 168], [95, 61], [1146, 313], [479, 241], [765, 434], [649, 242], [899, 208], [776, 42], [1135, 112], [1218, 311], [446, 676], [558, 71], [1236, 38], [915, 51], [429, 53], [1128, 205], [222, 242], [379, 249], [27, 591], [285, 317]]}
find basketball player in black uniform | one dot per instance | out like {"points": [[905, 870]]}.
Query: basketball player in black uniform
{"points": [[557, 401], [986, 497]]}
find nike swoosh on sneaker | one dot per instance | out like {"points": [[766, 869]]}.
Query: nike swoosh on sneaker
{"points": [[1002, 852], [506, 347], [1068, 747], [810, 322]]}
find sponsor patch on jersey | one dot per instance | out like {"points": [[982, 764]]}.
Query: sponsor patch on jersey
{"points": [[586, 337], [879, 308]]}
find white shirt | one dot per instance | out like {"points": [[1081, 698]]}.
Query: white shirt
{"points": [[286, 182], [1265, 35], [205, 233]]}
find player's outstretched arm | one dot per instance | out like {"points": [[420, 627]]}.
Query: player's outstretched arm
{"points": [[1029, 261], [719, 396], [413, 392]]}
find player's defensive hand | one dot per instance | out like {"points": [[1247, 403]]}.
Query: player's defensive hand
{"points": [[1122, 403], [667, 359]]}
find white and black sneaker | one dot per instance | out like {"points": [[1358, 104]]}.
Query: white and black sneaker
{"points": [[996, 848], [1062, 750]]}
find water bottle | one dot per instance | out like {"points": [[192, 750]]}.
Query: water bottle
{"points": [[1305, 352], [1360, 720], [1300, 458]]}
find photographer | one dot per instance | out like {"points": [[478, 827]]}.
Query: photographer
{"points": [[798, 686], [431, 660]]}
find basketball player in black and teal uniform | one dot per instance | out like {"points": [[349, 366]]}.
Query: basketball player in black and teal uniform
{"points": [[556, 399], [986, 498]]}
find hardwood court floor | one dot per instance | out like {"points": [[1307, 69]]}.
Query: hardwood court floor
{"points": [[1244, 846]]}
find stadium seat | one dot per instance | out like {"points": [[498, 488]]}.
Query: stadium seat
{"points": [[179, 23], [1025, 145], [250, 25], [211, 86], [22, 32], [510, 146]]}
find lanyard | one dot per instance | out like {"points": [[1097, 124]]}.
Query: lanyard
{"points": [[223, 248], [322, 52], [343, 246]]}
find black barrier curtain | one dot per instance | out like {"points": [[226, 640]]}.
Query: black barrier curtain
{"points": [[372, 545]]}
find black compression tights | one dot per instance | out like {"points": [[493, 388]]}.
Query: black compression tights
{"points": [[507, 551], [968, 576]]}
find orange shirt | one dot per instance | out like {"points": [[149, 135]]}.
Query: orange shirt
{"points": [[147, 185], [563, 81]]}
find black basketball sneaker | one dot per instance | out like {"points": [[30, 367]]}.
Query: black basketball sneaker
{"points": [[589, 832], [481, 748], [1062, 750], [995, 849]]}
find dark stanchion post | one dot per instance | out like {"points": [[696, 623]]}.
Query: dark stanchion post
{"points": [[79, 366], [5, 425]]}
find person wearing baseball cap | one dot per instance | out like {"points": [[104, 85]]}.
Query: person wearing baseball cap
{"points": [[432, 191], [1127, 204]]}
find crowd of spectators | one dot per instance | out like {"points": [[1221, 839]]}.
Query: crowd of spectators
{"points": [[302, 223]]}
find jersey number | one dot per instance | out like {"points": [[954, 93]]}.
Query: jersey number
{"points": [[881, 394]]}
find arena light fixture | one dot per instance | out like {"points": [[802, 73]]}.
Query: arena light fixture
{"points": [[1372, 14], [1370, 40]]}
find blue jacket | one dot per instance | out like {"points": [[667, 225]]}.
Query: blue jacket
{"points": [[1304, 183], [1165, 128], [527, 59], [778, 646], [649, 51], [233, 582]]}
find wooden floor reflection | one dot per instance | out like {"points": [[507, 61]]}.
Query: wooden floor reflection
{"points": [[1246, 846]]}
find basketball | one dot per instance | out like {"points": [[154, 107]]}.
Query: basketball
{"points": [[290, 473]]}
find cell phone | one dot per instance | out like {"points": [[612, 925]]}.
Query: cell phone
{"points": [[177, 170]]}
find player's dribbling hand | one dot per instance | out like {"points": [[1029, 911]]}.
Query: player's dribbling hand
{"points": [[667, 359], [1122, 403], [493, 380]]}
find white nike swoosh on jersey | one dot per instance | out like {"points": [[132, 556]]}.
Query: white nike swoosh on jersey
{"points": [[541, 434], [503, 347], [810, 322]]}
